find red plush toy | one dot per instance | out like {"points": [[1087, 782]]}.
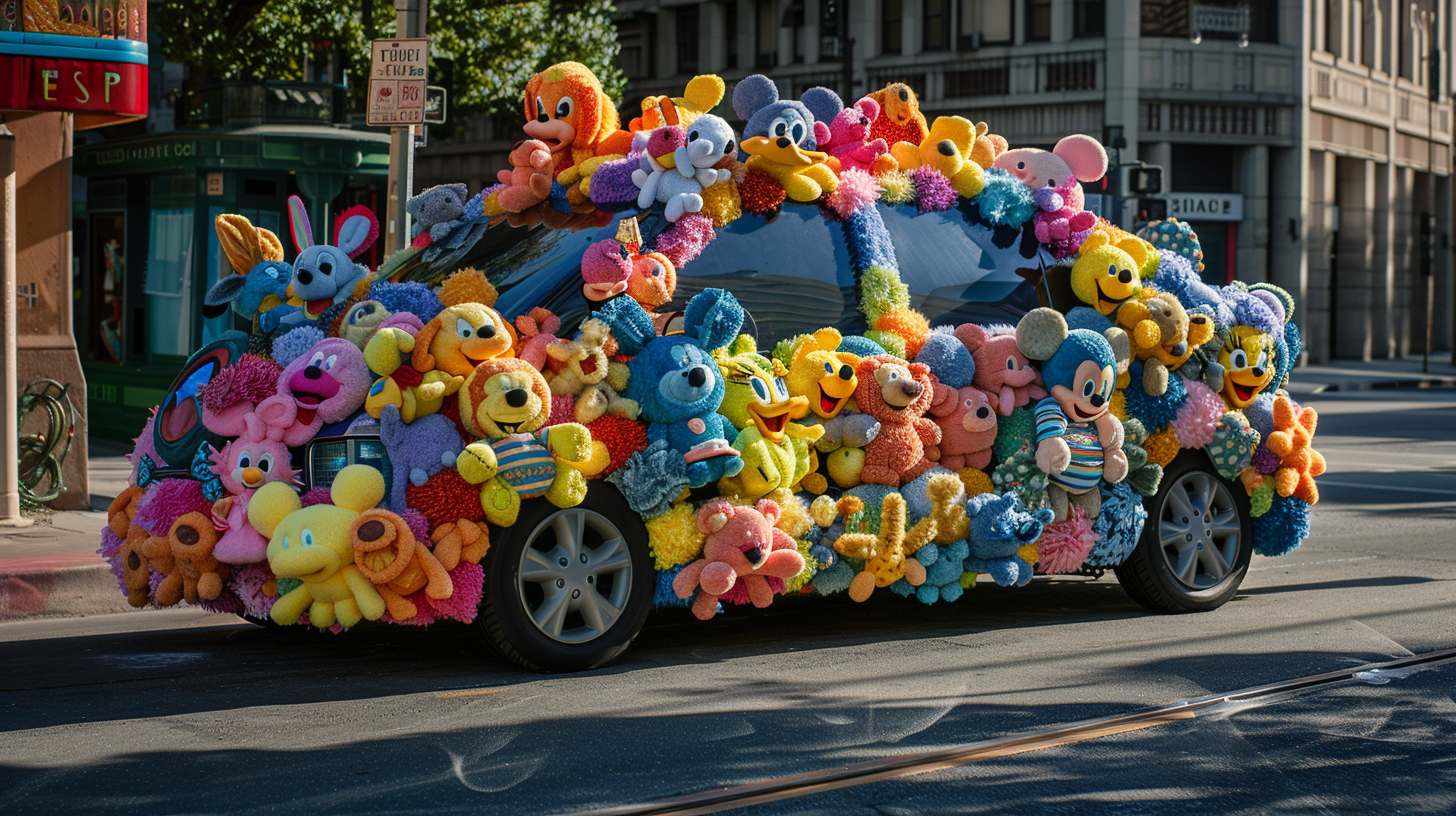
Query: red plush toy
{"points": [[746, 559], [897, 394]]}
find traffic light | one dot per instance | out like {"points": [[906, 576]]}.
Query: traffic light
{"points": [[1152, 209], [1146, 179]]}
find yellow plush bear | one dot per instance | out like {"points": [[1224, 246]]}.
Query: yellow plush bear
{"points": [[313, 545], [504, 402], [417, 394], [1105, 276], [948, 150], [1163, 336]]}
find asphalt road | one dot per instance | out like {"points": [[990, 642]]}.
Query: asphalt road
{"points": [[181, 712]]}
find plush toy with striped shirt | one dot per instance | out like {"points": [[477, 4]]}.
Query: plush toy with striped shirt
{"points": [[1078, 440]]}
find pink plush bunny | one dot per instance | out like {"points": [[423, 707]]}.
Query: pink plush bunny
{"points": [[849, 137], [243, 465]]}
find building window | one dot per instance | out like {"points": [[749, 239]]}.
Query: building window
{"points": [[687, 39], [169, 282], [935, 25], [892, 13], [984, 22], [830, 18], [1038, 20], [1089, 18], [793, 20], [636, 36], [767, 34], [1175, 18], [730, 42]]}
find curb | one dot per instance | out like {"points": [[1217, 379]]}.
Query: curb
{"points": [[1387, 385], [71, 591]]}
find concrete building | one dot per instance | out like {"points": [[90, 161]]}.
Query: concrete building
{"points": [[1307, 141]]}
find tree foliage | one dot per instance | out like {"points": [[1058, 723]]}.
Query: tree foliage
{"points": [[494, 45]]}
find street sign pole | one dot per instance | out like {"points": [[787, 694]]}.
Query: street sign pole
{"points": [[9, 389], [411, 17]]}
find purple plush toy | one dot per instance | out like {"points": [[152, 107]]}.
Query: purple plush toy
{"points": [[417, 451]]}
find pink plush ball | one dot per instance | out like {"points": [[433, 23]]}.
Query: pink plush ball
{"points": [[1064, 546], [857, 189], [1198, 418]]}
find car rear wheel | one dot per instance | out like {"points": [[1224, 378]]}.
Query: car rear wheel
{"points": [[1196, 546], [567, 589]]}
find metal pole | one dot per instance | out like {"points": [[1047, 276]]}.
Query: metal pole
{"points": [[9, 388], [410, 21]]}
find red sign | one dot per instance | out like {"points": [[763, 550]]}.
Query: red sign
{"points": [[78, 86]]}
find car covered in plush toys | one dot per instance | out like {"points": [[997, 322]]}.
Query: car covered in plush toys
{"points": [[703, 364]]}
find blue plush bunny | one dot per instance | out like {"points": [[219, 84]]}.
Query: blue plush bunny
{"points": [[325, 274], [676, 382], [1001, 525]]}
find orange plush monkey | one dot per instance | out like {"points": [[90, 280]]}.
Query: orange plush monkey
{"points": [[567, 109]]}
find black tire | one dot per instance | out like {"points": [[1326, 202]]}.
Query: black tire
{"points": [[513, 599], [1150, 574]]}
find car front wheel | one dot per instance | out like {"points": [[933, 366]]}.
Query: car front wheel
{"points": [[567, 589], [1196, 546]]}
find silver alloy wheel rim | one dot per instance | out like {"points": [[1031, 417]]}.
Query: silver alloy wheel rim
{"points": [[575, 575], [1198, 530]]}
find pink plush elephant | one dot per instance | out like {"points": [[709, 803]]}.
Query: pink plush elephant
{"points": [[745, 558], [967, 423], [1002, 371]]}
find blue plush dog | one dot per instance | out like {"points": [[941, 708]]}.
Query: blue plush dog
{"points": [[1001, 525], [677, 383]]}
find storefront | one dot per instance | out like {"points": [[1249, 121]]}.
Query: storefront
{"points": [[59, 72], [150, 205]]}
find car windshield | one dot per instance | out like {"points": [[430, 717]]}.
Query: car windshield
{"points": [[792, 272]]}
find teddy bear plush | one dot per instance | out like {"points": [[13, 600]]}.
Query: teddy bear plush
{"points": [[782, 139], [579, 368], [999, 527], [313, 544], [964, 413], [896, 394], [184, 556], [746, 559], [386, 552], [1060, 223], [946, 149], [1078, 440], [1002, 371], [136, 571], [825, 377], [1104, 276], [850, 141], [414, 393], [505, 403], [676, 382], [900, 119], [888, 555], [535, 331], [774, 448], [528, 181], [1163, 334]]}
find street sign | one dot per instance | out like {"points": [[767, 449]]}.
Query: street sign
{"points": [[1205, 206], [435, 105], [399, 72]]}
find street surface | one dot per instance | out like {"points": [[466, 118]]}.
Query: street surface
{"points": [[183, 712]]}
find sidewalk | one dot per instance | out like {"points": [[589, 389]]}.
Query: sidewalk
{"points": [[51, 569]]}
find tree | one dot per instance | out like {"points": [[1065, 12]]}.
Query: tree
{"points": [[493, 46]]}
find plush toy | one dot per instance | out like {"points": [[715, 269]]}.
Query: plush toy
{"points": [[325, 274], [505, 402], [459, 338], [964, 413], [579, 369], [679, 162], [536, 330], [774, 448], [1299, 463], [676, 382], [136, 571], [745, 557], [245, 464], [900, 119], [1060, 223], [567, 109], [1000, 526], [123, 509], [988, 147], [1104, 277], [1163, 336], [387, 553], [781, 139], [1075, 158], [417, 450], [897, 395], [1248, 361], [326, 384], [1175, 236], [314, 545], [1078, 440], [702, 94], [528, 181], [235, 391], [887, 556], [825, 377], [850, 142], [360, 319], [946, 150], [400, 385], [439, 205], [1002, 370], [460, 542], [612, 267], [258, 289], [184, 557]]}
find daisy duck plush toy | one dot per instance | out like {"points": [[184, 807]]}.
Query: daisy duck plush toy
{"points": [[1078, 440]]}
